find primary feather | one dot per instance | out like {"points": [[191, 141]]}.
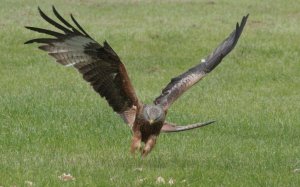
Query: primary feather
{"points": [[99, 64], [183, 82]]}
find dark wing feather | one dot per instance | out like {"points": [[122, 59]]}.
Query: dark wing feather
{"points": [[183, 82], [45, 31], [99, 65], [77, 24], [64, 21], [52, 22]]}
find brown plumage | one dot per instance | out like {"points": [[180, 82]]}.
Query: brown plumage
{"points": [[103, 69]]}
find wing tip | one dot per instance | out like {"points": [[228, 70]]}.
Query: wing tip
{"points": [[79, 26], [28, 27], [40, 10], [210, 122], [244, 20], [33, 28], [174, 128], [54, 9], [239, 28], [28, 42]]}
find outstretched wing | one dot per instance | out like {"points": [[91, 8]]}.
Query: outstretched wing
{"points": [[183, 82], [171, 127], [99, 65]]}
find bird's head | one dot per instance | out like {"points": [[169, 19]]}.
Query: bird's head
{"points": [[154, 113]]}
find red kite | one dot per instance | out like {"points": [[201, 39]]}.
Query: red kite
{"points": [[103, 69]]}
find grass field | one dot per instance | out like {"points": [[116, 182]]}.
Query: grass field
{"points": [[52, 122]]}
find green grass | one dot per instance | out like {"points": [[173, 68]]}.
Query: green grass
{"points": [[51, 122]]}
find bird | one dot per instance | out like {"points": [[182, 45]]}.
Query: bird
{"points": [[100, 65]]}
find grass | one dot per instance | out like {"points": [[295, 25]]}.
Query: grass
{"points": [[51, 122]]}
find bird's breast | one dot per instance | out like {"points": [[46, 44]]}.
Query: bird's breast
{"points": [[148, 129]]}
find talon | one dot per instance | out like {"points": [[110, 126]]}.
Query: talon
{"points": [[135, 146], [149, 146], [136, 143]]}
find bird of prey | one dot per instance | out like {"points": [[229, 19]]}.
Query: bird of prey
{"points": [[103, 69]]}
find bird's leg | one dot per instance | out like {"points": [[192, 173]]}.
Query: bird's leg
{"points": [[136, 141], [149, 145]]}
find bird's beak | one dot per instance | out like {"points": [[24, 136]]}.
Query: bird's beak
{"points": [[151, 121]]}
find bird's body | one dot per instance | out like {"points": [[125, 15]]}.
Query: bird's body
{"points": [[149, 124], [102, 68], [147, 127]]}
